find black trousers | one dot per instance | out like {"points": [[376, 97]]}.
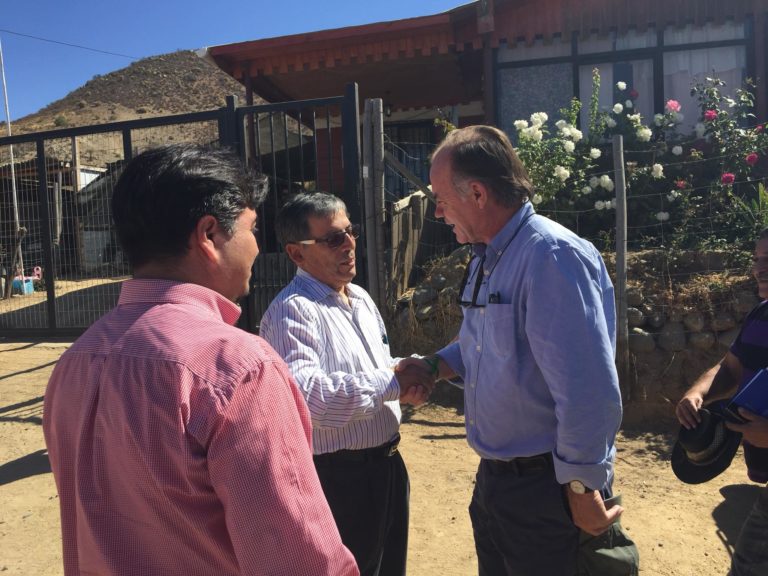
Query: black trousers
{"points": [[521, 520], [368, 493]]}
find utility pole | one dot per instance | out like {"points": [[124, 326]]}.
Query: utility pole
{"points": [[18, 231]]}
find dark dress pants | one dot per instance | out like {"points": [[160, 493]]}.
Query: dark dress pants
{"points": [[521, 520], [368, 495]]}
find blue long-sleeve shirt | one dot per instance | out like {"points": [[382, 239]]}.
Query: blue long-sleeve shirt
{"points": [[538, 359]]}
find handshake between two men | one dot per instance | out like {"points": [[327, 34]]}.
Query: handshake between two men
{"points": [[417, 378]]}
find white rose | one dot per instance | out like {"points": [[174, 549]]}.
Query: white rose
{"points": [[569, 146], [644, 134], [677, 150], [594, 182], [609, 205], [657, 171], [610, 122], [562, 173], [586, 190], [621, 85], [606, 182], [537, 199], [521, 124], [618, 108], [560, 124], [599, 205], [594, 153], [662, 216], [576, 134]]}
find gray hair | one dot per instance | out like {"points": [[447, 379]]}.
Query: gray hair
{"points": [[485, 154], [292, 222]]}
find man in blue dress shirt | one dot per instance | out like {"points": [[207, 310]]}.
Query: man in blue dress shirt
{"points": [[536, 352]]}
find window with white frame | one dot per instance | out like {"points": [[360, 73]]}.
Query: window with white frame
{"points": [[681, 68], [683, 53]]}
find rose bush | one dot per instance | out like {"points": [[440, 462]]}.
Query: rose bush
{"points": [[697, 190]]}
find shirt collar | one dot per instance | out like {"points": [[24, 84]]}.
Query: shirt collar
{"points": [[319, 290], [154, 291], [503, 236]]}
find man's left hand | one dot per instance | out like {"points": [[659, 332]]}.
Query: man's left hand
{"points": [[589, 513], [754, 431]]}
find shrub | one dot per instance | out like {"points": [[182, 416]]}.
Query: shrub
{"points": [[688, 191]]}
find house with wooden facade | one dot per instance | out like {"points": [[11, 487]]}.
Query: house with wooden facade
{"points": [[496, 61]]}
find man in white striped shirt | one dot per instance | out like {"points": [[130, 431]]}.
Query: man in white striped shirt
{"points": [[334, 340]]}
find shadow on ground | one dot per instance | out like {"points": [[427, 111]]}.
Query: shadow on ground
{"points": [[731, 513], [28, 411], [76, 309], [24, 467]]}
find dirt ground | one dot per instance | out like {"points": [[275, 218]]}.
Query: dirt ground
{"points": [[680, 530]]}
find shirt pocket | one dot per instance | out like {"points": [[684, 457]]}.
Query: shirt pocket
{"points": [[500, 328]]}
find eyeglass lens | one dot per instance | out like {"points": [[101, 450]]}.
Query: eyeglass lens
{"points": [[338, 238]]}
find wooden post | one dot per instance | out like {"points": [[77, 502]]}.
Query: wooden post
{"points": [[622, 328]]}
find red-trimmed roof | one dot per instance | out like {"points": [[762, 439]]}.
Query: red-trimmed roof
{"points": [[437, 60]]}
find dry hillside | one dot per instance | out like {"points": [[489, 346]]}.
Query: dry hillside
{"points": [[167, 84]]}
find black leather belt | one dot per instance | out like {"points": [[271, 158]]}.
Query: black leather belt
{"points": [[363, 455], [523, 466]]}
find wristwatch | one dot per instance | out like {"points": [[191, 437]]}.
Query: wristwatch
{"points": [[577, 487]]}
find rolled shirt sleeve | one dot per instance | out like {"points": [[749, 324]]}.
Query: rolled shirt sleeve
{"points": [[571, 338]]}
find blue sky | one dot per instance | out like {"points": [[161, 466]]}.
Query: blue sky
{"points": [[38, 72]]}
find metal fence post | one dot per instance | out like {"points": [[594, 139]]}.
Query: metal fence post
{"points": [[45, 221], [622, 328], [350, 126], [228, 133]]}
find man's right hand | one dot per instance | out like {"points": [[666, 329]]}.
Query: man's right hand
{"points": [[416, 382], [687, 410]]}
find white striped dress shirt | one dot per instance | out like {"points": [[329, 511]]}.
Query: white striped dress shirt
{"points": [[339, 355]]}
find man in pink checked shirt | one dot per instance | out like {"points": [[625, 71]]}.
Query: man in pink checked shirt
{"points": [[180, 444]]}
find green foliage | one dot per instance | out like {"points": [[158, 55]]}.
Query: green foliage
{"points": [[60, 121], [684, 191]]}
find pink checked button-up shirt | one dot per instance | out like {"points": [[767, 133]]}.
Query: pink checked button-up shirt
{"points": [[180, 445]]}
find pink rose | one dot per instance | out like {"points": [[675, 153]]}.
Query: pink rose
{"points": [[710, 115], [673, 106], [758, 128], [727, 178], [681, 184], [751, 159]]}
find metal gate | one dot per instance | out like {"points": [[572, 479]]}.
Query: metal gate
{"points": [[55, 188]]}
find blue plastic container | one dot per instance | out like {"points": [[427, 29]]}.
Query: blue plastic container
{"points": [[23, 288]]}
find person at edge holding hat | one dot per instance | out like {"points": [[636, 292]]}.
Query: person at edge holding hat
{"points": [[536, 353], [179, 443], [333, 338], [747, 355]]}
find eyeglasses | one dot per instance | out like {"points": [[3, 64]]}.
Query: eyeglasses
{"points": [[334, 239], [479, 273]]}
